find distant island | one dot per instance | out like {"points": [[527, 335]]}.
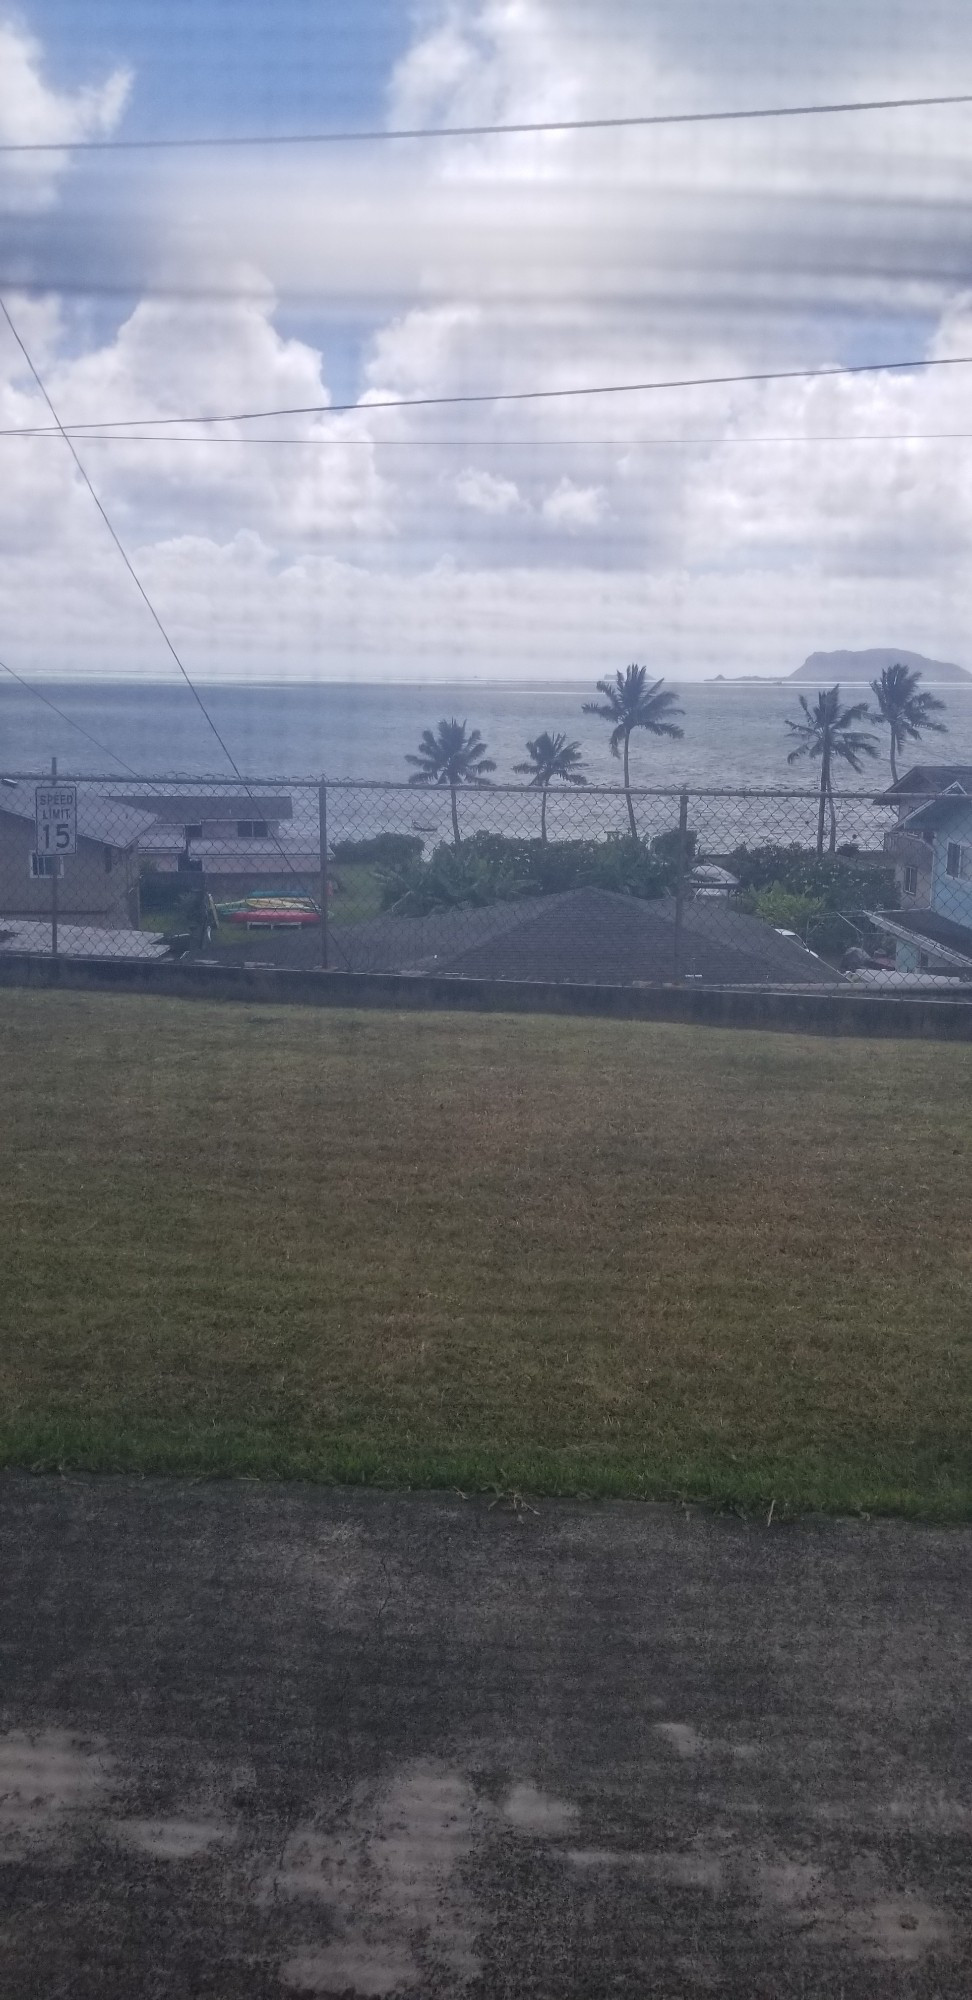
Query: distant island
{"points": [[826, 668], [823, 669]]}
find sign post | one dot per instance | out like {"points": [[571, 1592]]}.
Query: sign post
{"points": [[56, 832]]}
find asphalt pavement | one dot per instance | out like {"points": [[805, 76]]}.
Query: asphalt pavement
{"points": [[280, 1741]]}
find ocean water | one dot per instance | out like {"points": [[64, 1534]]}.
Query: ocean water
{"points": [[734, 734]]}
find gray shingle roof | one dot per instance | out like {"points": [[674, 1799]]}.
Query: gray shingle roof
{"points": [[924, 780], [591, 936], [181, 808], [928, 927]]}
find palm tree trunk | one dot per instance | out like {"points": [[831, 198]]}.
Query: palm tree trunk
{"points": [[894, 761], [543, 818], [455, 816], [825, 803], [627, 792], [833, 820]]}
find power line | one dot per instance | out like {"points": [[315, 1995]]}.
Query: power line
{"points": [[65, 717], [126, 559], [494, 396], [140, 587], [517, 444], [372, 135]]}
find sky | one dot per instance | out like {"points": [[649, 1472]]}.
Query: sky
{"points": [[729, 529]]}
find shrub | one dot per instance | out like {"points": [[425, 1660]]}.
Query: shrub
{"points": [[490, 868], [781, 907], [833, 878], [383, 850]]}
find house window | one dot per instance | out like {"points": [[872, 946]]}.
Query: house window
{"points": [[958, 860], [109, 860], [193, 832], [252, 829], [911, 881], [43, 866]]}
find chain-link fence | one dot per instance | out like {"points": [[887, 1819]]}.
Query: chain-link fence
{"points": [[587, 884]]}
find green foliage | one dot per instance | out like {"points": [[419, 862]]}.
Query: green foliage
{"points": [[666, 845], [905, 710], [832, 878], [383, 850], [823, 897], [489, 868], [451, 755], [781, 908], [455, 878], [551, 756], [630, 703]]}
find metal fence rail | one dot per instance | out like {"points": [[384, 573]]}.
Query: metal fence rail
{"points": [[764, 888]]}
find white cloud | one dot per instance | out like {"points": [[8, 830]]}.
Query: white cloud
{"points": [[550, 537], [487, 493], [575, 507], [32, 112]]}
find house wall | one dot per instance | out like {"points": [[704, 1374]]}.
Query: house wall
{"points": [[97, 885], [950, 896], [910, 852]]}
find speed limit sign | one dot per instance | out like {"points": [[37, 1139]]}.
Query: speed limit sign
{"points": [[56, 815]]}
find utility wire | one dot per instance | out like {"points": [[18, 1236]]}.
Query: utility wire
{"points": [[379, 134], [494, 396], [65, 717], [143, 593], [518, 444], [126, 559]]}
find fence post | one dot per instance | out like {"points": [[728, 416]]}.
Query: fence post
{"points": [[322, 828], [54, 877], [683, 799]]}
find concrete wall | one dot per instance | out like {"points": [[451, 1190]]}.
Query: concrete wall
{"points": [[836, 1012]]}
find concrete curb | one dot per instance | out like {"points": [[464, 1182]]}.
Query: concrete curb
{"points": [[781, 1010]]}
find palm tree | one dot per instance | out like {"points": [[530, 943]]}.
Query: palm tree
{"points": [[827, 732], [629, 703], [451, 757], [552, 757], [904, 709]]}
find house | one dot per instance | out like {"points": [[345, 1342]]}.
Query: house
{"points": [[591, 936], [588, 936], [932, 850], [909, 845], [98, 885], [232, 843]]}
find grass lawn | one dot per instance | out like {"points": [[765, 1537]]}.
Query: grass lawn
{"points": [[547, 1255], [357, 892]]}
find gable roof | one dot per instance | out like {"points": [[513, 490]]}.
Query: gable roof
{"points": [[944, 939], [180, 808], [938, 811], [587, 936], [112, 822], [926, 780]]}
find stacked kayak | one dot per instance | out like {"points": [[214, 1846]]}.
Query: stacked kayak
{"points": [[268, 910]]}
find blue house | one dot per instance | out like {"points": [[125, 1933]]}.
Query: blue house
{"points": [[932, 850]]}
